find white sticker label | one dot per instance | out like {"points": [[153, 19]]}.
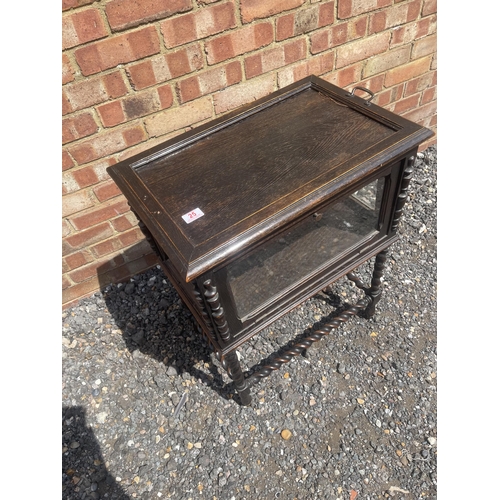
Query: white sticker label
{"points": [[193, 215]]}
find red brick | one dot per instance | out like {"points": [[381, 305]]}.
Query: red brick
{"points": [[84, 273], [67, 161], [330, 37], [92, 174], [394, 16], [180, 117], [179, 31], [142, 75], [135, 106], [166, 96], [118, 243], [184, 61], [120, 49], [76, 127], [375, 83], [317, 65], [107, 143], [414, 9], [92, 91], [243, 93], [82, 27], [210, 81], [106, 191], [420, 83], [405, 104], [189, 89], [430, 7], [100, 214], [134, 135], [304, 21], [377, 22], [257, 9], [233, 73], [253, 64], [413, 31], [124, 222], [239, 42], [357, 27], [114, 84], [346, 76], [165, 67], [294, 51], [68, 73], [268, 60], [199, 24], [111, 113], [78, 259], [85, 177], [428, 95], [407, 71], [326, 14], [84, 239], [386, 97], [352, 8], [76, 202], [362, 49], [398, 36], [424, 27], [285, 27], [123, 14], [72, 4], [383, 98], [420, 114]]}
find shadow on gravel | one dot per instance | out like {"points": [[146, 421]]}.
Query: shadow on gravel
{"points": [[83, 468], [154, 321]]}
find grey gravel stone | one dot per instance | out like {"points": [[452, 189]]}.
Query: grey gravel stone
{"points": [[349, 402]]}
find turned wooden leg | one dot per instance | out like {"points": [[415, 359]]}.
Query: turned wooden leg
{"points": [[234, 370], [375, 291]]}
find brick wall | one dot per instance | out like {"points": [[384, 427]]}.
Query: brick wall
{"points": [[137, 72]]}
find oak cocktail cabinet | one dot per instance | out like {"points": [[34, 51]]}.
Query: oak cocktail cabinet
{"points": [[253, 213]]}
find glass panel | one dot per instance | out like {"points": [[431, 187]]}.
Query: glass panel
{"points": [[285, 260]]}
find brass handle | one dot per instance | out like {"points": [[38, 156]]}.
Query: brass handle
{"points": [[317, 216]]}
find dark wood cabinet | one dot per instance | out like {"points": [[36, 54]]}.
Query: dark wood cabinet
{"points": [[253, 213]]}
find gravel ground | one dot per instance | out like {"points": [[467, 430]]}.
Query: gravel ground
{"points": [[355, 417]]}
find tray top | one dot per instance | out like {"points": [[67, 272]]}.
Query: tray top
{"points": [[220, 187]]}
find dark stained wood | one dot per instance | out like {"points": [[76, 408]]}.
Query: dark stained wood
{"points": [[258, 169], [270, 159], [297, 189]]}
